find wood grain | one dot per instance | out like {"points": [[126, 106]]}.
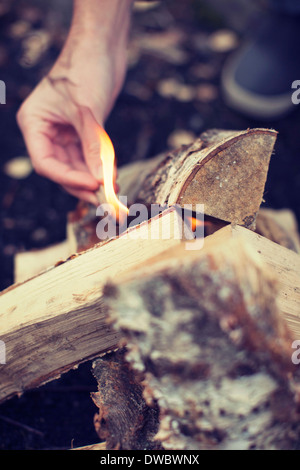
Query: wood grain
{"points": [[57, 319]]}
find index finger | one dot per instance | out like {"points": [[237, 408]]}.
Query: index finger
{"points": [[46, 163]]}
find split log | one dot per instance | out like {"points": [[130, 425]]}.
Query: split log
{"points": [[205, 330], [57, 320], [283, 262], [224, 170]]}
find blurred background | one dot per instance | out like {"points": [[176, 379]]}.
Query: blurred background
{"points": [[172, 93]]}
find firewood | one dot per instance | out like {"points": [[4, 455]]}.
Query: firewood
{"points": [[224, 170], [284, 262], [279, 226], [205, 330], [100, 446], [57, 319], [29, 264]]}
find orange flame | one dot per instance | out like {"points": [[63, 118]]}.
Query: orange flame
{"points": [[194, 223], [107, 155]]}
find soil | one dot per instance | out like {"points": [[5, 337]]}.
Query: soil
{"points": [[145, 121]]}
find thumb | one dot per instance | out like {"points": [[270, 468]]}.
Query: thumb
{"points": [[88, 130]]}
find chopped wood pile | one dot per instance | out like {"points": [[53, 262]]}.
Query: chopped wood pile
{"points": [[192, 339]]}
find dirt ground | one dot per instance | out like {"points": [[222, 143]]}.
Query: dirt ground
{"points": [[171, 94]]}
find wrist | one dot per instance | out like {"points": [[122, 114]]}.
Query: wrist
{"points": [[99, 28], [102, 22]]}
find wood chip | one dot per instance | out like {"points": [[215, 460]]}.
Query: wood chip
{"points": [[180, 137], [223, 41], [165, 46], [18, 168], [172, 88]]}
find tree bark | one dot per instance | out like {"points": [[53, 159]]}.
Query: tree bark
{"points": [[224, 170], [206, 331], [124, 420]]}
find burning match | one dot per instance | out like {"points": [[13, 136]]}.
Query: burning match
{"points": [[107, 155]]}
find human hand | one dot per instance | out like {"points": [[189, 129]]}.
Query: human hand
{"points": [[61, 117]]}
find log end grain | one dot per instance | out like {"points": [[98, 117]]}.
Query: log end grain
{"points": [[230, 180]]}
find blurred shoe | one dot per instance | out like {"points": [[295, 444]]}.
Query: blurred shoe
{"points": [[257, 80]]}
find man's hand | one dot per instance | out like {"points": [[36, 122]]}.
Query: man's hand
{"points": [[59, 120]]}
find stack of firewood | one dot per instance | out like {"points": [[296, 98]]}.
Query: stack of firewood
{"points": [[192, 339]]}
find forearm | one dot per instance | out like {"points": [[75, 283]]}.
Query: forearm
{"points": [[105, 21], [77, 95], [99, 27]]}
